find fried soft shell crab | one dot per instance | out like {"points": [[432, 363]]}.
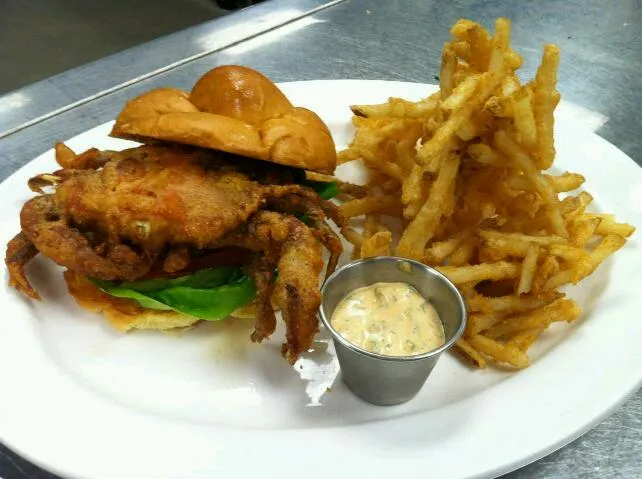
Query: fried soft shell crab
{"points": [[161, 210]]}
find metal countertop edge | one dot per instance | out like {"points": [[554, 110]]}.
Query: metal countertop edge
{"points": [[224, 26]]}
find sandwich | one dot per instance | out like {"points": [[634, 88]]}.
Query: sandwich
{"points": [[222, 208]]}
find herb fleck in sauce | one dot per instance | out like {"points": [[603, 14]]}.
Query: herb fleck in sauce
{"points": [[389, 318]]}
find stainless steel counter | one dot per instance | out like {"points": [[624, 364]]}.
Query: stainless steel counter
{"points": [[395, 40]]}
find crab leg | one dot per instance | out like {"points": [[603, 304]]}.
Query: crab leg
{"points": [[19, 252], [296, 291], [49, 232], [296, 199], [262, 271], [329, 209], [91, 159]]}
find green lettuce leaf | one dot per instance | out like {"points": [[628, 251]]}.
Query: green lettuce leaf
{"points": [[326, 190], [203, 279], [209, 294], [114, 289], [210, 304]]}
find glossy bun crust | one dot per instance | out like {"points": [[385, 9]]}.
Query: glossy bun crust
{"points": [[233, 109]]}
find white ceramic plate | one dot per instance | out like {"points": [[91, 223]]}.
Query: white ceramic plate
{"points": [[85, 401]]}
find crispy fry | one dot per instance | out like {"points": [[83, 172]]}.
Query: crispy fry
{"points": [[498, 245], [582, 231], [529, 266], [560, 278], [352, 236], [479, 42], [411, 209], [371, 225], [461, 94], [349, 154], [374, 161], [377, 245], [510, 304], [607, 246], [620, 229], [550, 266], [481, 272], [499, 352], [545, 82], [447, 70], [525, 118], [499, 106], [501, 38], [468, 130], [485, 84], [574, 206], [497, 63], [399, 108], [439, 251], [422, 227], [510, 85], [371, 204], [565, 182], [586, 265], [569, 253], [521, 238], [411, 186], [405, 151], [524, 162], [608, 225], [484, 154], [478, 322], [470, 353], [464, 253], [524, 339], [560, 310]]}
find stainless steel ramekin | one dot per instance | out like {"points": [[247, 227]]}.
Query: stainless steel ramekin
{"points": [[377, 378]]}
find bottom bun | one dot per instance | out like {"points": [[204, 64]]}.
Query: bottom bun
{"points": [[123, 314]]}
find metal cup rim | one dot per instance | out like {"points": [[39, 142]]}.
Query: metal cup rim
{"points": [[417, 357]]}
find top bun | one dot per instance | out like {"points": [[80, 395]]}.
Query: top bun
{"points": [[233, 109]]}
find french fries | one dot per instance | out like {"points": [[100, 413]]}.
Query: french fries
{"points": [[377, 245], [544, 105], [371, 204], [522, 160], [480, 272], [398, 108], [423, 226], [501, 352], [529, 266], [560, 310], [464, 172]]}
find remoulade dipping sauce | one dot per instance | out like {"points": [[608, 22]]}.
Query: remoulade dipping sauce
{"points": [[389, 318]]}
